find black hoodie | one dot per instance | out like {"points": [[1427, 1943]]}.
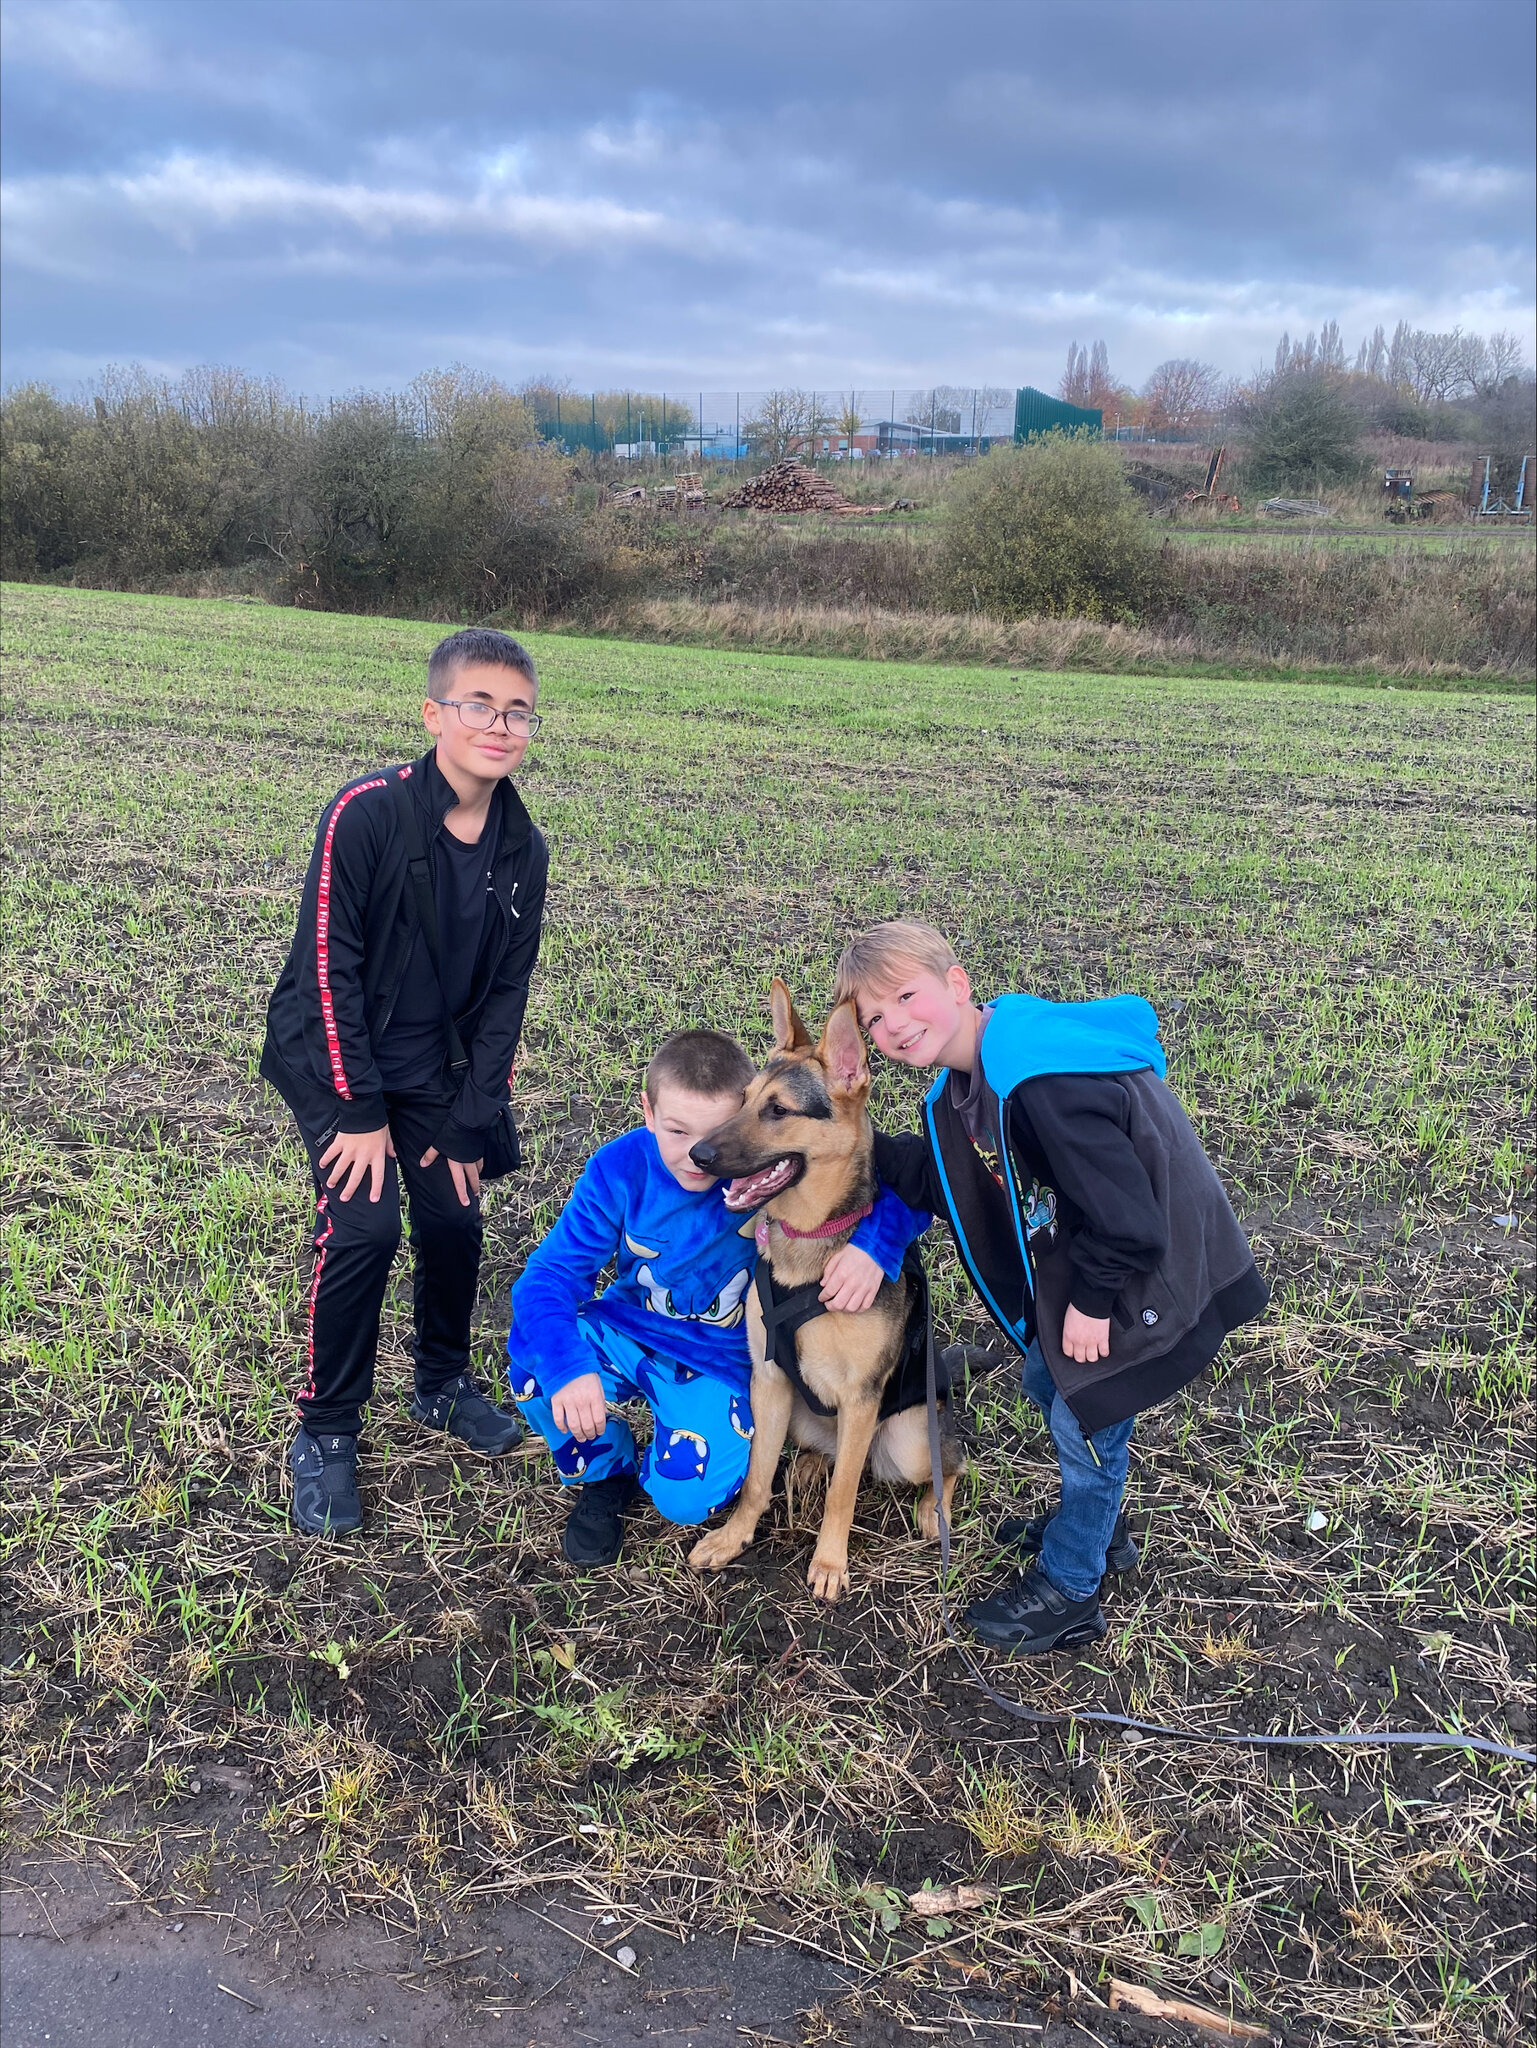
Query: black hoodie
{"points": [[1097, 1195], [357, 924]]}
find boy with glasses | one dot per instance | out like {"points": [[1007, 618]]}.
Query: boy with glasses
{"points": [[391, 1036]]}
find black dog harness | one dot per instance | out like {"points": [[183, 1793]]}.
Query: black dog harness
{"points": [[788, 1309]]}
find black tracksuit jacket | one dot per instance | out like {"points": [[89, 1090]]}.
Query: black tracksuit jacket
{"points": [[357, 923]]}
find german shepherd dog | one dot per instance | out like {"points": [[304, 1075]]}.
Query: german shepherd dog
{"points": [[800, 1151]]}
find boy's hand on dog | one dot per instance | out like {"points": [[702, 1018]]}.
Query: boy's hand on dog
{"points": [[464, 1173], [851, 1279], [1085, 1338], [580, 1409], [356, 1156]]}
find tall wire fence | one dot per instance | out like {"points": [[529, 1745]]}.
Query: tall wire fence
{"points": [[853, 425]]}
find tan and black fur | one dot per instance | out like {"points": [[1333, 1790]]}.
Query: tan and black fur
{"points": [[807, 1110]]}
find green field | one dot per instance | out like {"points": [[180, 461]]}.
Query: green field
{"points": [[1327, 893]]}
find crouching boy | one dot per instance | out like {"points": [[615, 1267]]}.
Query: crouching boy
{"points": [[671, 1328], [1089, 1220]]}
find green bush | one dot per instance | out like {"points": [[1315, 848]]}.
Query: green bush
{"points": [[1050, 529], [1303, 434]]}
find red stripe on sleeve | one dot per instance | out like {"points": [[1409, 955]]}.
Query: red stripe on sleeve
{"points": [[323, 938]]}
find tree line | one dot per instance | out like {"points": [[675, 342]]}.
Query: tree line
{"points": [[445, 492], [452, 497], [1421, 384]]}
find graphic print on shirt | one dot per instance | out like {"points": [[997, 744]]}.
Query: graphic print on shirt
{"points": [[1040, 1207], [681, 1300], [986, 1146]]}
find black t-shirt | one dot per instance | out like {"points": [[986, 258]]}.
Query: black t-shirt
{"points": [[977, 1107], [981, 1118], [414, 1046]]}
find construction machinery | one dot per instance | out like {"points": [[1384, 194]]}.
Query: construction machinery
{"points": [[1490, 490], [1208, 494], [1398, 494], [1402, 503]]}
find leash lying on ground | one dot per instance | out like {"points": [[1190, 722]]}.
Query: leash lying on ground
{"points": [[1410, 1738]]}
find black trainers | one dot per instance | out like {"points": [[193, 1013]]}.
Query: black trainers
{"points": [[594, 1532], [463, 1411], [1027, 1616], [325, 1470], [1028, 1536]]}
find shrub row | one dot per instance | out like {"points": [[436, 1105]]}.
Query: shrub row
{"points": [[441, 502]]}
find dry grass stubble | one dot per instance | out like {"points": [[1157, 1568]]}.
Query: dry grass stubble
{"points": [[1328, 897]]}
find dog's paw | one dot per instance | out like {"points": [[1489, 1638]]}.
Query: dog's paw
{"points": [[828, 1578], [810, 1469], [928, 1518], [711, 1552]]}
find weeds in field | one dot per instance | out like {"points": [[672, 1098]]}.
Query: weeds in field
{"points": [[1328, 896]]}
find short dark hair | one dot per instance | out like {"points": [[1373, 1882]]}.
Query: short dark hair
{"points": [[702, 1062], [476, 645]]}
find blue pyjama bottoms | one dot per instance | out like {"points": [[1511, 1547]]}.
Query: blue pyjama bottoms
{"points": [[697, 1457]]}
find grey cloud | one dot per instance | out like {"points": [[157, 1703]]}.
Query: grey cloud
{"points": [[829, 192]]}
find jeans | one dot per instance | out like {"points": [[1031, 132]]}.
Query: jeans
{"points": [[1078, 1535], [697, 1457], [355, 1246]]}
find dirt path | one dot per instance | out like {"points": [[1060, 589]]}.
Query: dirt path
{"points": [[80, 1969]]}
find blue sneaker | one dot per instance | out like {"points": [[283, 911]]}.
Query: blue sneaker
{"points": [[325, 1470]]}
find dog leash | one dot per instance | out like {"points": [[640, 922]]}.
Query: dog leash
{"points": [[1411, 1738]]}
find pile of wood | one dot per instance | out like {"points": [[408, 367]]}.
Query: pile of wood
{"points": [[787, 487]]}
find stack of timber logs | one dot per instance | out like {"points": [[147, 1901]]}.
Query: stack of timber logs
{"points": [[787, 487]]}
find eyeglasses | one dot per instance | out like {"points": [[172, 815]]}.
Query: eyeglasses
{"points": [[482, 717]]}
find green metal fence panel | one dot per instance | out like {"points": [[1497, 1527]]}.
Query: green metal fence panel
{"points": [[1036, 413]]}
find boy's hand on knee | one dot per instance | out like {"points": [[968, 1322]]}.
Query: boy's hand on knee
{"points": [[851, 1279], [464, 1173], [580, 1408], [356, 1156], [1085, 1338]]}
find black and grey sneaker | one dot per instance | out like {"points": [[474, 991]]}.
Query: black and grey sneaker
{"points": [[463, 1411], [1028, 1536], [594, 1532], [325, 1470], [1027, 1616]]}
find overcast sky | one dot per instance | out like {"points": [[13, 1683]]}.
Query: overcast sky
{"points": [[712, 193]]}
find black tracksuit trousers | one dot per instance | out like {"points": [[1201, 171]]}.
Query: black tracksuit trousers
{"points": [[355, 1245]]}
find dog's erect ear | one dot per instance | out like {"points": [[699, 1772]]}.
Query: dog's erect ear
{"points": [[842, 1050], [790, 1034]]}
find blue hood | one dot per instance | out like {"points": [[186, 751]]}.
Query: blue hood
{"points": [[1027, 1036]]}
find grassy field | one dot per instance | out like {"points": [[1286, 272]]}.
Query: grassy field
{"points": [[1328, 896]]}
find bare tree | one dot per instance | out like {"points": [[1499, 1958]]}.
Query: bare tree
{"points": [[1505, 354], [819, 421], [1103, 389], [1372, 355], [1436, 364], [782, 421], [1181, 394], [1398, 357], [1087, 379], [976, 404], [1074, 386], [939, 409]]}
